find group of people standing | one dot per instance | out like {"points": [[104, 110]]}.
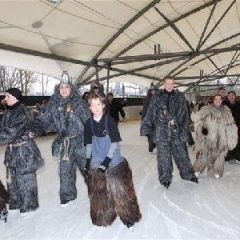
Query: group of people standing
{"points": [[166, 122], [87, 139]]}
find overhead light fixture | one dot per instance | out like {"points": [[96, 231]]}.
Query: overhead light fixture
{"points": [[55, 1], [37, 24]]}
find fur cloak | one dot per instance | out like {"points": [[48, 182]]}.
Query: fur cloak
{"points": [[222, 136]]}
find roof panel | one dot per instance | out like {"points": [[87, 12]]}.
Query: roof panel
{"points": [[82, 31]]}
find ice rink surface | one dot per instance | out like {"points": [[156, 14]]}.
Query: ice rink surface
{"points": [[208, 210]]}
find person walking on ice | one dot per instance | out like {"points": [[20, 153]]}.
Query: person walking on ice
{"points": [[110, 185]]}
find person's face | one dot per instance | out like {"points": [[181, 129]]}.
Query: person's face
{"points": [[65, 90], [231, 97], [10, 99], [217, 101], [96, 107], [169, 85], [86, 97], [153, 91], [221, 92], [110, 98], [96, 90]]}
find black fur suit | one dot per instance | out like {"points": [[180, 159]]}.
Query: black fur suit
{"points": [[170, 139], [69, 116], [22, 159], [4, 198], [151, 144]]}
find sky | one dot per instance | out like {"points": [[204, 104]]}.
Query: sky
{"points": [[207, 210]]}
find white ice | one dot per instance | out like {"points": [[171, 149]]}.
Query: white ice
{"points": [[208, 210]]}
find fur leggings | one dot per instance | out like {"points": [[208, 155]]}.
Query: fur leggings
{"points": [[111, 194]]}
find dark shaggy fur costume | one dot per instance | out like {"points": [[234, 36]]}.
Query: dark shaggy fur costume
{"points": [[171, 140], [4, 197], [68, 115], [111, 194]]}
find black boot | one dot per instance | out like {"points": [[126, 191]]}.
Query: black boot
{"points": [[166, 184], [3, 214], [129, 224], [194, 179], [151, 147]]}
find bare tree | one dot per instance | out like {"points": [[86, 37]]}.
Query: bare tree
{"points": [[18, 78]]}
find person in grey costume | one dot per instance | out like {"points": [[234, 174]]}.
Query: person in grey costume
{"points": [[69, 112], [168, 112], [151, 92], [22, 156]]}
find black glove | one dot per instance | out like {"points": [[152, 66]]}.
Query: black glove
{"points": [[205, 131], [104, 165], [87, 165]]}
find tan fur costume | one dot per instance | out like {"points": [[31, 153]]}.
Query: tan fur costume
{"points": [[222, 136], [111, 194]]}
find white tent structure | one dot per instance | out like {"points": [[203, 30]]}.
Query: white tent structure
{"points": [[134, 40]]}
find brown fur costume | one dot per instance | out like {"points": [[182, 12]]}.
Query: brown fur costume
{"points": [[222, 136], [111, 194], [4, 197]]}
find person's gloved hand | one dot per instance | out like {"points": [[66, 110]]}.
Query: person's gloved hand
{"points": [[104, 165], [87, 166], [205, 131]]}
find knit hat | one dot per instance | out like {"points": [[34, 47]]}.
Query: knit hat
{"points": [[15, 92]]}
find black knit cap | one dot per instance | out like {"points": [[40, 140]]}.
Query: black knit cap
{"points": [[15, 92]]}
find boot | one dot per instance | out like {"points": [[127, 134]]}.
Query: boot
{"points": [[166, 184]]}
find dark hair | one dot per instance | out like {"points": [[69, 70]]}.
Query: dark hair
{"points": [[84, 94], [110, 94], [221, 88], [232, 92]]}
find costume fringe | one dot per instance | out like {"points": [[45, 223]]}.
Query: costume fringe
{"points": [[123, 193], [113, 193], [101, 203]]}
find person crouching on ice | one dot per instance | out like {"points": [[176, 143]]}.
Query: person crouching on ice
{"points": [[110, 185]]}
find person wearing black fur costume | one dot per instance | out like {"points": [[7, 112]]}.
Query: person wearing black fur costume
{"points": [[110, 185], [151, 92], [68, 111], [4, 199], [22, 156], [168, 111]]}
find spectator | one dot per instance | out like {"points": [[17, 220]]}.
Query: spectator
{"points": [[221, 92], [234, 106], [85, 96], [114, 108]]}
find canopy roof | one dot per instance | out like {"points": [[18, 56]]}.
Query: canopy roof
{"points": [[125, 40]]}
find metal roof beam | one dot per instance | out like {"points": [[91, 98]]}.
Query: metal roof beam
{"points": [[159, 29], [218, 22], [116, 35], [175, 28], [148, 57], [206, 25]]}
